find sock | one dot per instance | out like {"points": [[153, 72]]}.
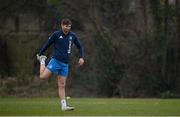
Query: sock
{"points": [[63, 103], [42, 62]]}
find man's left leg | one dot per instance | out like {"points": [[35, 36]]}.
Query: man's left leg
{"points": [[62, 95]]}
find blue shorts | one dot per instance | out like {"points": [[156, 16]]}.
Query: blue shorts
{"points": [[57, 67]]}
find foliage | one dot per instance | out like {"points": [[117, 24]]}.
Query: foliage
{"points": [[132, 47]]}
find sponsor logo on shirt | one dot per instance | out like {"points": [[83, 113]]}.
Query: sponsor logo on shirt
{"points": [[61, 37], [70, 44]]}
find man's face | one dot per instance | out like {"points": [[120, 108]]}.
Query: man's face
{"points": [[66, 28]]}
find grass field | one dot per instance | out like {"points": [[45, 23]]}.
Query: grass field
{"points": [[90, 107]]}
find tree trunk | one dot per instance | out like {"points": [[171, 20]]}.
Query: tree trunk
{"points": [[164, 56], [177, 51]]}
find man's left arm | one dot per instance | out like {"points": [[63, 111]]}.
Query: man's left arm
{"points": [[81, 50]]}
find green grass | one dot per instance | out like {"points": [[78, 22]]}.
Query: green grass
{"points": [[90, 107]]}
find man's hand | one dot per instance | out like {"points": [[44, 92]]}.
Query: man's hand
{"points": [[81, 61]]}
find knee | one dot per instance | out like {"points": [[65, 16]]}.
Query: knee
{"points": [[42, 76], [61, 85]]}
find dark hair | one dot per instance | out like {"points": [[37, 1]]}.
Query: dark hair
{"points": [[66, 21]]}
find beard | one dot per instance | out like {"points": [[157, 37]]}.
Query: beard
{"points": [[66, 31]]}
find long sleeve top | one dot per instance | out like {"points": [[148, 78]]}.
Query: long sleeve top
{"points": [[62, 45]]}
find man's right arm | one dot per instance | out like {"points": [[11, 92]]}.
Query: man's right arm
{"points": [[47, 44]]}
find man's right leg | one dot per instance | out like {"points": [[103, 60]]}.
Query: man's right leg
{"points": [[61, 91], [44, 72]]}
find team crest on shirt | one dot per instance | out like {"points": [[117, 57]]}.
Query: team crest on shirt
{"points": [[70, 38]]}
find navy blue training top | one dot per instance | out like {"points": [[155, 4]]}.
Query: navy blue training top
{"points": [[62, 45]]}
